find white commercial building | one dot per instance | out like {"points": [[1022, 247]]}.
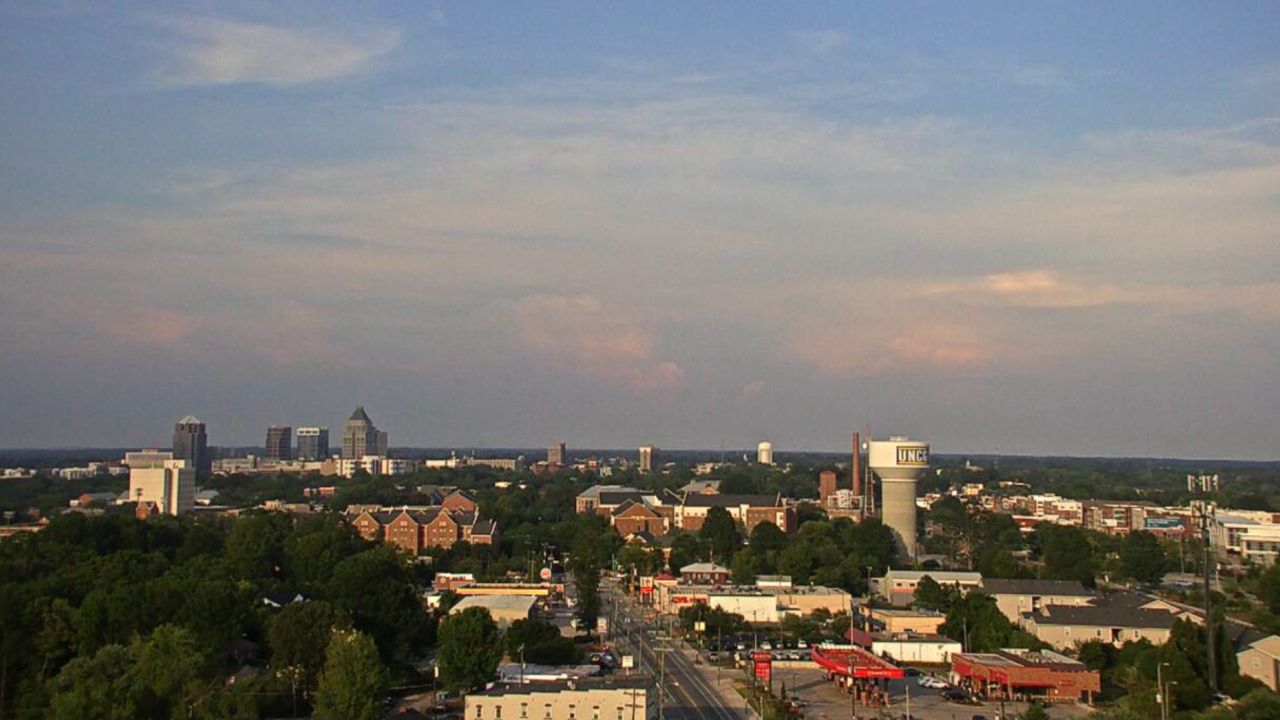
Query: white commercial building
{"points": [[579, 699], [927, 649], [1252, 536], [374, 465], [504, 609], [155, 477]]}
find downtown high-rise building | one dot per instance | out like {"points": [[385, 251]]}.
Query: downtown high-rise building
{"points": [[191, 443], [279, 443], [313, 443], [557, 455], [648, 458], [361, 437]]}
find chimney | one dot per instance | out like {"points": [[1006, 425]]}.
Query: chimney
{"points": [[857, 466]]}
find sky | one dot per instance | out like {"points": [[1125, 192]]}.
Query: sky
{"points": [[1023, 228]]}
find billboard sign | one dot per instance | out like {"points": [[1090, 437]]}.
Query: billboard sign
{"points": [[913, 455], [762, 664], [1162, 523]]}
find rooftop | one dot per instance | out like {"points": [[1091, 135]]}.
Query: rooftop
{"points": [[1000, 586], [634, 682]]}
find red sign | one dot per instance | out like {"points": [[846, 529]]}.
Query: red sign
{"points": [[763, 665]]}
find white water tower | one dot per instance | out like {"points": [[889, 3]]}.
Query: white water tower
{"points": [[764, 453], [899, 464]]}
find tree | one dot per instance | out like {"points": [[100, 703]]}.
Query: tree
{"points": [[297, 637], [744, 568], [1269, 588], [721, 532], [468, 650], [166, 669], [1067, 553], [766, 538], [1097, 655], [374, 590], [354, 679], [1142, 558], [685, 550], [586, 579], [975, 620], [932, 596], [95, 687]]}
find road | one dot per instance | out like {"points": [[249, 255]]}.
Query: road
{"points": [[688, 695]]}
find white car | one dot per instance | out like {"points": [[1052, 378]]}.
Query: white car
{"points": [[932, 682]]}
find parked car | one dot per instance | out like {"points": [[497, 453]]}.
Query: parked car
{"points": [[956, 695], [934, 683]]}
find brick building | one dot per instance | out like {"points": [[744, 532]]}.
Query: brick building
{"points": [[415, 529]]}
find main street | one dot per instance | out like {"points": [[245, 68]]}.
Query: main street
{"points": [[687, 694]]}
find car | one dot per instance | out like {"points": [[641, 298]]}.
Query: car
{"points": [[802, 644], [978, 717], [956, 695], [933, 683], [766, 645], [910, 671], [713, 656]]}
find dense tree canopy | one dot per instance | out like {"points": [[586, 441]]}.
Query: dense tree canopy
{"points": [[469, 649]]}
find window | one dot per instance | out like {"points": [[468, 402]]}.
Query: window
{"points": [[479, 711], [573, 712], [620, 709], [497, 712], [524, 710], [548, 711], [595, 713]]}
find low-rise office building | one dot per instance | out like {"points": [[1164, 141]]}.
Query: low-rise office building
{"points": [[899, 586]]}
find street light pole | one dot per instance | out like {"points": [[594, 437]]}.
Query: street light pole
{"points": [[1160, 688]]}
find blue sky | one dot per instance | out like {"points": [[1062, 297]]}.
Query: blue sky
{"points": [[1037, 228]]}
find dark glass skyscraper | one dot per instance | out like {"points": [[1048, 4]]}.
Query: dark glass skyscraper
{"points": [[279, 442], [313, 443], [191, 443]]}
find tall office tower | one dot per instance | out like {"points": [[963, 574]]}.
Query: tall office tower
{"points": [[156, 477], [764, 453], [381, 442], [648, 458], [360, 437], [279, 443], [191, 443], [313, 443], [826, 486], [858, 498], [557, 455]]}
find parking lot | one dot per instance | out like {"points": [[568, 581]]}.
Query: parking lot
{"points": [[823, 700]]}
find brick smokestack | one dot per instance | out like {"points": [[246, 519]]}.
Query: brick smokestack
{"points": [[857, 466]]}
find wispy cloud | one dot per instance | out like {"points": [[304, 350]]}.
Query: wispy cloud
{"points": [[579, 333], [209, 51]]}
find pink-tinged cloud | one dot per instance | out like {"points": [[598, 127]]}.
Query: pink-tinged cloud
{"points": [[752, 391], [150, 326], [579, 333]]}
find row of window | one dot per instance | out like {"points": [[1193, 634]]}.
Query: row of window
{"points": [[524, 712]]}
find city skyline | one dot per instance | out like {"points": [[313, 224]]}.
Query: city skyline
{"points": [[1002, 228]]}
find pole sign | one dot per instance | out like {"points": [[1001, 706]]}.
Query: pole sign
{"points": [[646, 585], [602, 625], [762, 665]]}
